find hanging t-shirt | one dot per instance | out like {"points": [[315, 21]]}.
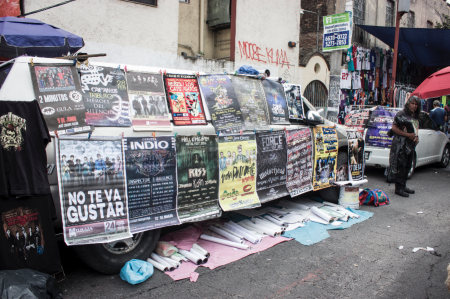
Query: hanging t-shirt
{"points": [[343, 96], [23, 160], [366, 81], [377, 77], [359, 59], [346, 80], [341, 115], [350, 64], [367, 59], [356, 80], [355, 58], [349, 98], [373, 58], [370, 80], [384, 79], [28, 237], [377, 58]]}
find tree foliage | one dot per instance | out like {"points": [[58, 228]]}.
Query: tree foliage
{"points": [[445, 24]]}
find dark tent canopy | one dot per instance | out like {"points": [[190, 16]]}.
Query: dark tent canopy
{"points": [[427, 47]]}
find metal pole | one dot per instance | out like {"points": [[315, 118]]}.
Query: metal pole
{"points": [[394, 67]]}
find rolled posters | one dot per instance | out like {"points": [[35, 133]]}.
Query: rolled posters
{"points": [[271, 165], [198, 177], [185, 100], [237, 188], [151, 176], [92, 190], [299, 161], [325, 157], [294, 101], [105, 96], [276, 101], [222, 103], [355, 155], [58, 92], [149, 110], [253, 105]]}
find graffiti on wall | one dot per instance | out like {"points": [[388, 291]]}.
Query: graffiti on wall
{"points": [[253, 52]]}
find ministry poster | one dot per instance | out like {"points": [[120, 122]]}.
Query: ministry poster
{"points": [[237, 188], [151, 176], [355, 155], [92, 190], [271, 165], [299, 161], [253, 105], [222, 104], [58, 92], [105, 96], [325, 157], [149, 111], [294, 101], [198, 177], [185, 100], [276, 101]]}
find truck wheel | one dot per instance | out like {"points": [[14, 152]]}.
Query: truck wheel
{"points": [[331, 194], [109, 258]]}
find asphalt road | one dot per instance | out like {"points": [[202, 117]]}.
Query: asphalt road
{"points": [[362, 261]]}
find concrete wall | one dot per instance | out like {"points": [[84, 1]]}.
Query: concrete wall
{"points": [[426, 10]]}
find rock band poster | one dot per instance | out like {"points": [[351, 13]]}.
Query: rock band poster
{"points": [[237, 188], [105, 96], [355, 155], [198, 177], [185, 100], [271, 164], [149, 110], [222, 103], [92, 190], [251, 99], [325, 157], [276, 101], [58, 92], [151, 176], [294, 101], [299, 161]]}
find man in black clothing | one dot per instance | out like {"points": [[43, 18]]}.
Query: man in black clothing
{"points": [[145, 105], [71, 165], [109, 170], [91, 171]]}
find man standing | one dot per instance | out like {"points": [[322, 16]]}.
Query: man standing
{"points": [[100, 168], [109, 169], [118, 168], [65, 171], [72, 173], [222, 162], [85, 171], [438, 115], [91, 171], [240, 157]]}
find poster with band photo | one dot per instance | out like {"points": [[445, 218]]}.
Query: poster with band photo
{"points": [[355, 141], [58, 92], [276, 101], [294, 101], [325, 157]]}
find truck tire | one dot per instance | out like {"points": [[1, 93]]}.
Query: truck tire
{"points": [[109, 258], [331, 194]]}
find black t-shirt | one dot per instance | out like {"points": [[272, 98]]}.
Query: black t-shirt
{"points": [[414, 120], [23, 160]]}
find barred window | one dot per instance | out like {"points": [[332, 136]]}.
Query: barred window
{"points": [[359, 11], [390, 13]]}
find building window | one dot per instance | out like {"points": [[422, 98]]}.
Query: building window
{"points": [[390, 13], [316, 93], [429, 24], [145, 2], [411, 20], [185, 1], [358, 11]]}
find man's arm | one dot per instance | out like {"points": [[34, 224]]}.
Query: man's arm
{"points": [[397, 131]]}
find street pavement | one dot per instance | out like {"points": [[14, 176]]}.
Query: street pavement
{"points": [[362, 261]]}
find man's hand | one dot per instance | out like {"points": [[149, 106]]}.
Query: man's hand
{"points": [[412, 136]]}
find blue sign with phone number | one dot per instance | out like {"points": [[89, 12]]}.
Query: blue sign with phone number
{"points": [[336, 39]]}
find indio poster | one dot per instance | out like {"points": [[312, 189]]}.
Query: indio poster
{"points": [[325, 157]]}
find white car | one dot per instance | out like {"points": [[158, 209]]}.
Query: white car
{"points": [[433, 147]]}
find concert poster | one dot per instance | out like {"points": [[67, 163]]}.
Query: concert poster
{"points": [[299, 161], [294, 101], [185, 100], [355, 141], [92, 190], [198, 177], [325, 157], [151, 176], [276, 101]]}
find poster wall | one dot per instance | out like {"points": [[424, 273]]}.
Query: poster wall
{"points": [[253, 105], [325, 157], [58, 92], [105, 96], [198, 177], [294, 101], [276, 101], [271, 165], [355, 155], [299, 161], [151, 176], [185, 100], [149, 111], [222, 103], [92, 190], [237, 188], [336, 32]]}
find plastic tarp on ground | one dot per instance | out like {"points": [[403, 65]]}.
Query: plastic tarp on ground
{"points": [[423, 46]]}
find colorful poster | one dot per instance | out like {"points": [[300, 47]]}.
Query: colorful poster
{"points": [[355, 155], [253, 105], [299, 161], [357, 119], [237, 188], [276, 101], [105, 96], [151, 176], [149, 110], [271, 165], [337, 32], [294, 101], [92, 190], [380, 123], [58, 92], [185, 100], [325, 157], [198, 177], [222, 103]]}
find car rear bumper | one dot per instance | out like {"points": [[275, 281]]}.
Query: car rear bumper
{"points": [[376, 156]]}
